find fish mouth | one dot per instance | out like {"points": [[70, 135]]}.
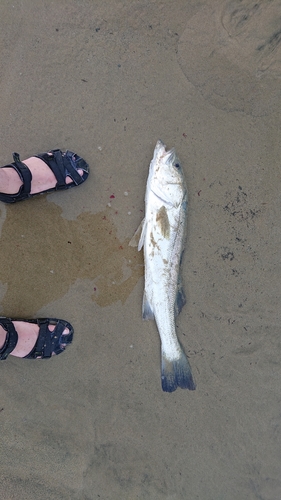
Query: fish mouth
{"points": [[160, 153], [170, 156], [160, 150]]}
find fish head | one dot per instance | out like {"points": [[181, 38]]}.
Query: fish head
{"points": [[166, 177]]}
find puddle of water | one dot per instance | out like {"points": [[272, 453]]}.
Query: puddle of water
{"points": [[43, 254]]}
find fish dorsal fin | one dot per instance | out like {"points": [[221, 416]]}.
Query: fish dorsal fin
{"points": [[162, 220], [138, 238]]}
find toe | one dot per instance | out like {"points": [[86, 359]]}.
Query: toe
{"points": [[64, 341]]}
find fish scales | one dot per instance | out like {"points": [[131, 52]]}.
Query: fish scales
{"points": [[162, 235]]}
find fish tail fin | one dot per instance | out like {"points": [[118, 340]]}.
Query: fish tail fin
{"points": [[176, 373]]}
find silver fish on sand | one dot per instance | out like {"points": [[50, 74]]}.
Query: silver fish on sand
{"points": [[162, 236]]}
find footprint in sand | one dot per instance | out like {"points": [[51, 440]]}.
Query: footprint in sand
{"points": [[232, 54]]}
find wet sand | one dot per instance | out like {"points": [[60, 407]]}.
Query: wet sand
{"points": [[107, 79]]}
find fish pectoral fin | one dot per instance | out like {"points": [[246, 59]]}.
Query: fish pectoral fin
{"points": [[138, 238], [162, 220], [147, 312]]}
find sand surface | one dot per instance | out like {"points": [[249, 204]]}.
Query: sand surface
{"points": [[107, 79]]}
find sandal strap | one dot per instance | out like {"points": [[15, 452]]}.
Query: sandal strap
{"points": [[11, 338], [24, 175], [49, 342], [63, 165]]}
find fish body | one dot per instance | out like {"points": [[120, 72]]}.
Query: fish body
{"points": [[162, 238]]}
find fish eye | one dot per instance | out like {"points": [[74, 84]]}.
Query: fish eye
{"points": [[177, 165]]}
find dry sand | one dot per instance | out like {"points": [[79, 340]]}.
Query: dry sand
{"points": [[107, 79]]}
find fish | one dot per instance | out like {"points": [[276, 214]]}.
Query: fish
{"points": [[161, 234]]}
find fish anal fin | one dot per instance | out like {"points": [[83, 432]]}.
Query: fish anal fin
{"points": [[147, 312], [176, 373]]}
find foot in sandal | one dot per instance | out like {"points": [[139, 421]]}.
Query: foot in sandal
{"points": [[34, 338], [43, 173]]}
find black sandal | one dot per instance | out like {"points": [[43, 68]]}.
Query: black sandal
{"points": [[47, 344], [61, 164]]}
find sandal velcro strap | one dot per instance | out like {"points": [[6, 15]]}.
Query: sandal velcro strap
{"points": [[11, 338], [65, 164]]}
